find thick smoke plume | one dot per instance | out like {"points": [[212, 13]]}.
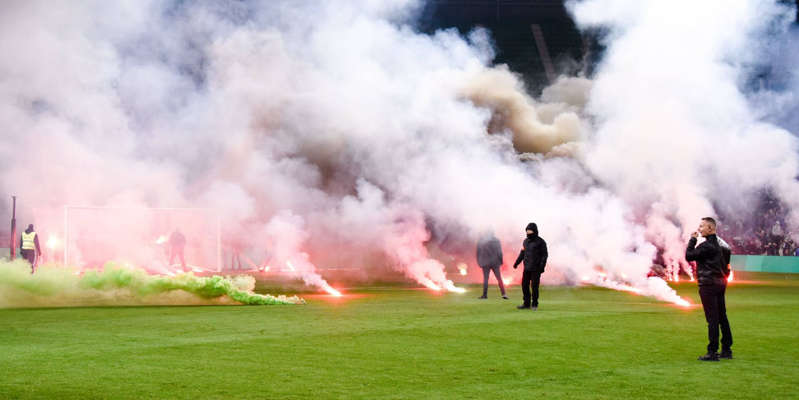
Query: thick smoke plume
{"points": [[334, 134], [534, 131], [675, 136], [57, 286]]}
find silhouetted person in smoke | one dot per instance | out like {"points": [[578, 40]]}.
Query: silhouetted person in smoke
{"points": [[489, 257], [534, 254], [712, 268], [177, 242], [29, 246]]}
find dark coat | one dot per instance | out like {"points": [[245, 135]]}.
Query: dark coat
{"points": [[534, 254], [710, 261], [726, 254], [489, 252]]}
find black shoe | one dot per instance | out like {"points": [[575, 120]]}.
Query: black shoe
{"points": [[522, 307], [709, 357], [505, 297], [482, 297], [727, 355]]}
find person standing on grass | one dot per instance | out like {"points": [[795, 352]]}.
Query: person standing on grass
{"points": [[534, 254], [177, 242], [29, 246], [712, 269], [489, 258]]}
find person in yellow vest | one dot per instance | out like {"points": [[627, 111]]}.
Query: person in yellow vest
{"points": [[29, 246]]}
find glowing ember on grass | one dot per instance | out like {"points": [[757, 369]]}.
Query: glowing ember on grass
{"points": [[507, 281], [161, 240], [329, 289]]}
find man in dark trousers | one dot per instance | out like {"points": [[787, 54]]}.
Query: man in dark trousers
{"points": [[712, 268], [534, 254], [489, 257], [29, 246], [176, 244]]}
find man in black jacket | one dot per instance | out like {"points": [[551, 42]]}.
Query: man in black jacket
{"points": [[489, 258], [712, 261], [534, 254]]}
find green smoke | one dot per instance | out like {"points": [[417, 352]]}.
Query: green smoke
{"points": [[58, 286]]}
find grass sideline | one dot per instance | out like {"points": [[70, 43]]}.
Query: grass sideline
{"points": [[400, 343]]}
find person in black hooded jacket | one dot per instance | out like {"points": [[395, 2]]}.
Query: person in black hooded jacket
{"points": [[712, 268], [534, 254]]}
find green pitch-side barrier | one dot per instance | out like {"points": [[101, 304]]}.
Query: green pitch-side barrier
{"points": [[783, 264]]}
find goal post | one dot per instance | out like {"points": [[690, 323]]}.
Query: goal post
{"points": [[141, 236]]}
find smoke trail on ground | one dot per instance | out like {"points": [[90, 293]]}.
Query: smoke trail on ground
{"points": [[53, 286]]}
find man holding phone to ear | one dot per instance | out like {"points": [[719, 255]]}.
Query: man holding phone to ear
{"points": [[711, 264]]}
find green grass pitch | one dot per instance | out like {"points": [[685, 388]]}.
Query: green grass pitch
{"points": [[401, 343]]}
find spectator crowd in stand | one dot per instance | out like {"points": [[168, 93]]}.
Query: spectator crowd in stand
{"points": [[766, 233]]}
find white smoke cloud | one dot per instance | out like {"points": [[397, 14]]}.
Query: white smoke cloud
{"points": [[337, 134], [675, 135]]}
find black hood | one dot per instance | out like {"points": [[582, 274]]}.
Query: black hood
{"points": [[532, 227]]}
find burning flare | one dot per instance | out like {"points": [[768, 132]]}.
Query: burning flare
{"points": [[652, 286], [462, 268], [53, 242], [312, 278]]}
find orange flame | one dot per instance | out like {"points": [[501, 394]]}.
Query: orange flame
{"points": [[329, 289]]}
